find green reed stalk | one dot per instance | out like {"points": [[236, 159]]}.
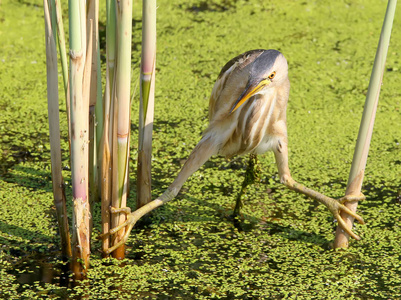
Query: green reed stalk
{"points": [[54, 128], [79, 93], [62, 48], [146, 110], [356, 175], [121, 122], [92, 33], [99, 114], [64, 65], [105, 149]]}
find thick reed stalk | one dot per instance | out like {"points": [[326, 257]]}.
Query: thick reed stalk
{"points": [[122, 111], [146, 110], [366, 128], [79, 138], [105, 149], [54, 128], [92, 19]]}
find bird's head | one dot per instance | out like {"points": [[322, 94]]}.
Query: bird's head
{"points": [[268, 70]]}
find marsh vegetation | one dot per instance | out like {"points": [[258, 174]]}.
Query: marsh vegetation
{"points": [[189, 249]]}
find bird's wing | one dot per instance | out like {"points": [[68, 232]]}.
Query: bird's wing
{"points": [[227, 77]]}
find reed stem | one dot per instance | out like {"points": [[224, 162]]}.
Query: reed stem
{"points": [[356, 175]]}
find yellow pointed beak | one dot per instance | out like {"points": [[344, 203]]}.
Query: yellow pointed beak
{"points": [[250, 90]]}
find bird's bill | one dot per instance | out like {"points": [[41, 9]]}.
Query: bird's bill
{"points": [[250, 90]]}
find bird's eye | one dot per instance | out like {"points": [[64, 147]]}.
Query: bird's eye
{"points": [[271, 76]]}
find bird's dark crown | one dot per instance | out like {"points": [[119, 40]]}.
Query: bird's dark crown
{"points": [[264, 62]]}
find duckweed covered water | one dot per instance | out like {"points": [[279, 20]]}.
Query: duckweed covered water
{"points": [[191, 250]]}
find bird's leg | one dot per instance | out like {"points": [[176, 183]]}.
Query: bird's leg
{"points": [[251, 174], [202, 152], [335, 206]]}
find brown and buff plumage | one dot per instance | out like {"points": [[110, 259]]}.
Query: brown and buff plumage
{"points": [[257, 125], [247, 114]]}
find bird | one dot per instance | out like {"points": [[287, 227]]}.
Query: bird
{"points": [[247, 115]]}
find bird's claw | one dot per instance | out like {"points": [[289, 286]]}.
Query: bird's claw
{"points": [[352, 198], [116, 210], [128, 225], [338, 206]]}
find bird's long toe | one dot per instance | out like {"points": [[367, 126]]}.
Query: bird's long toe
{"points": [[352, 198]]}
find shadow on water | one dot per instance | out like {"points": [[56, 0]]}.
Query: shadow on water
{"points": [[16, 156], [34, 258], [43, 268], [29, 178], [27, 3], [212, 6]]}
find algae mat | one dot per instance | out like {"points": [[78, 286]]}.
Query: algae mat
{"points": [[190, 250]]}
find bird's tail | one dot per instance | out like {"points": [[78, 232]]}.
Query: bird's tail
{"points": [[201, 153]]}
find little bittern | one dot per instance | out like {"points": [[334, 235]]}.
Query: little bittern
{"points": [[247, 114]]}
